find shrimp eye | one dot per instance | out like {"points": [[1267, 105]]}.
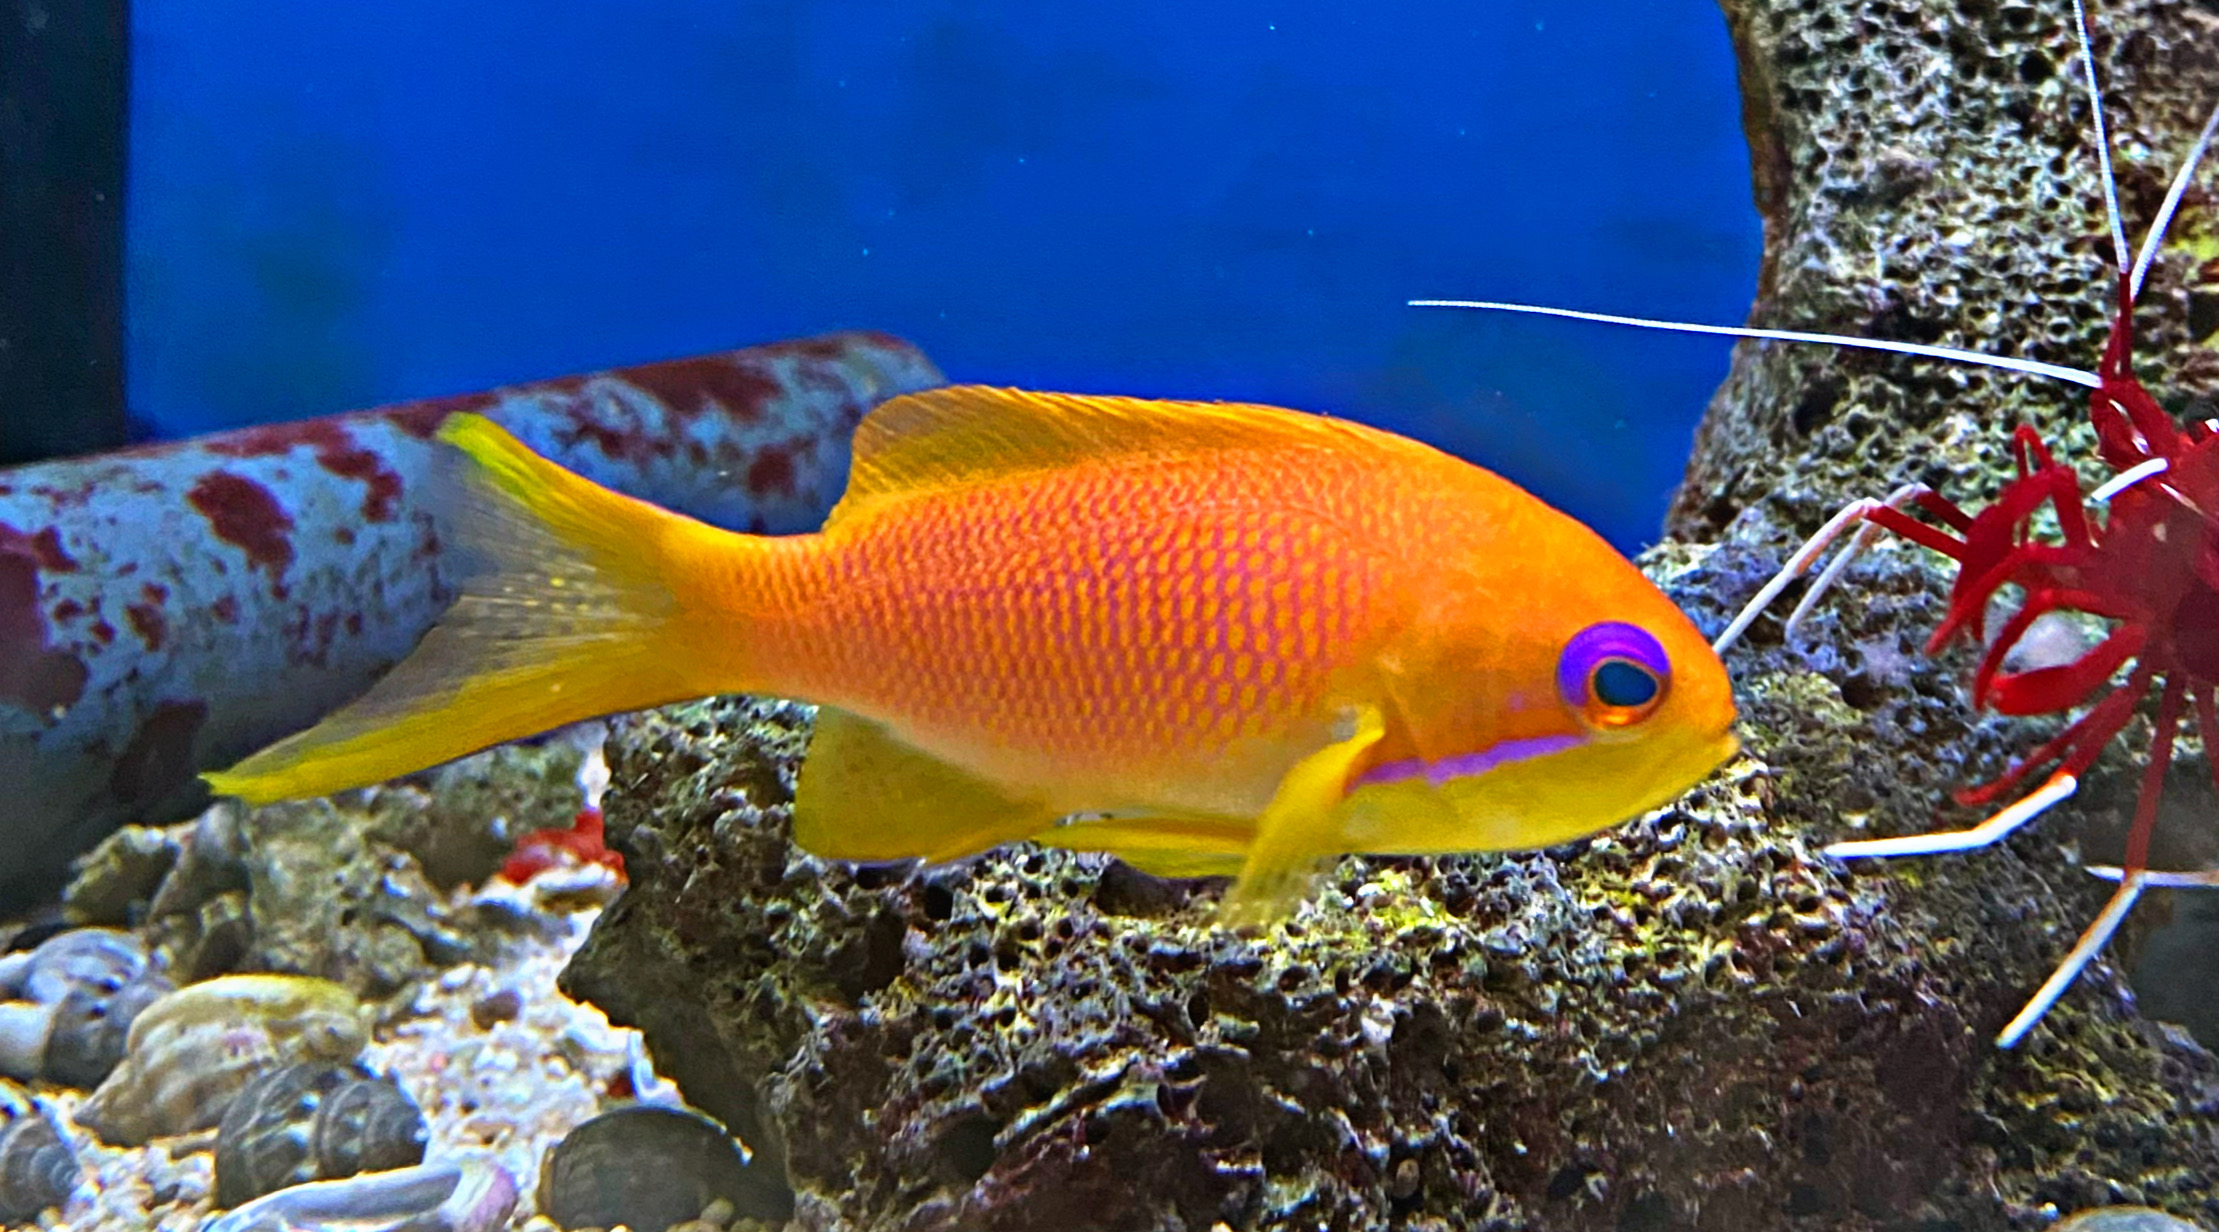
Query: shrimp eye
{"points": [[1613, 673]]}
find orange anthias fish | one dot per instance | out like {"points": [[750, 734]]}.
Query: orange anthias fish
{"points": [[1209, 638]]}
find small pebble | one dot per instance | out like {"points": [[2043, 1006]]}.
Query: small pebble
{"points": [[502, 1006]]}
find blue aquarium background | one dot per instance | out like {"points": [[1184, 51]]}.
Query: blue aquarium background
{"points": [[333, 206]]}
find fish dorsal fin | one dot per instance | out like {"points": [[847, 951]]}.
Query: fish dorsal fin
{"points": [[961, 436], [865, 794]]}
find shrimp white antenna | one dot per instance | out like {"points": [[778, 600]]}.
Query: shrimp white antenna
{"points": [[2198, 879], [2128, 478], [2103, 134], [2057, 787], [2069, 968], [2173, 195], [2008, 363]]}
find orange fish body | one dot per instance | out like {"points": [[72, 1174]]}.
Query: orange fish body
{"points": [[1234, 638]]}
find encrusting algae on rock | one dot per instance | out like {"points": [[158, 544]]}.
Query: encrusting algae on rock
{"points": [[1241, 639]]}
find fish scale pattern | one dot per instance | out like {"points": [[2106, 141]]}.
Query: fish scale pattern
{"points": [[1115, 610]]}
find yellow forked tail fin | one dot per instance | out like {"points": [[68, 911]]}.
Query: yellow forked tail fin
{"points": [[570, 613]]}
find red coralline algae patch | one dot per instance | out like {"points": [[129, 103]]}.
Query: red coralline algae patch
{"points": [[691, 387], [244, 514], [545, 849], [336, 451], [31, 675]]}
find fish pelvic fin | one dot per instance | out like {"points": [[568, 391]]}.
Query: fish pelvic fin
{"points": [[1160, 844], [574, 604], [1298, 830], [866, 794]]}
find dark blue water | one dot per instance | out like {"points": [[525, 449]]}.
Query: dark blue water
{"points": [[339, 205]]}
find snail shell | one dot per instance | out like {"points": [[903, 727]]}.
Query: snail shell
{"points": [[649, 1167], [192, 1050], [313, 1123], [72, 1002], [91, 1022], [37, 1168]]}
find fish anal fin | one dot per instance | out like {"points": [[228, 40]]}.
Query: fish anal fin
{"points": [[865, 794], [1298, 830], [962, 436]]}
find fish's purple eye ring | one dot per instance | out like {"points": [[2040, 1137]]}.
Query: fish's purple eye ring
{"points": [[1613, 673]]}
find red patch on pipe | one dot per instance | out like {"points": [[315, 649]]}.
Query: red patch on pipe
{"points": [[159, 759], [772, 471], [31, 675], [336, 451], [384, 482], [244, 514], [421, 419], [615, 445], [830, 347], [147, 621], [44, 548], [694, 387]]}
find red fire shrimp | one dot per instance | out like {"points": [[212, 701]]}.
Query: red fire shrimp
{"points": [[2140, 550]]}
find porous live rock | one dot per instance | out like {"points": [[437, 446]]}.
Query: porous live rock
{"points": [[1694, 1021], [1929, 174], [350, 889]]}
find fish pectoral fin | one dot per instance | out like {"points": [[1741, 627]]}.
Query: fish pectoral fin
{"points": [[1163, 844], [866, 794], [1298, 830]]}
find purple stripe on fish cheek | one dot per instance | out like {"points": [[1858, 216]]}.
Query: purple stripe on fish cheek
{"points": [[1468, 765]]}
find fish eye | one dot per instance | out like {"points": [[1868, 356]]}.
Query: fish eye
{"points": [[1614, 674]]}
